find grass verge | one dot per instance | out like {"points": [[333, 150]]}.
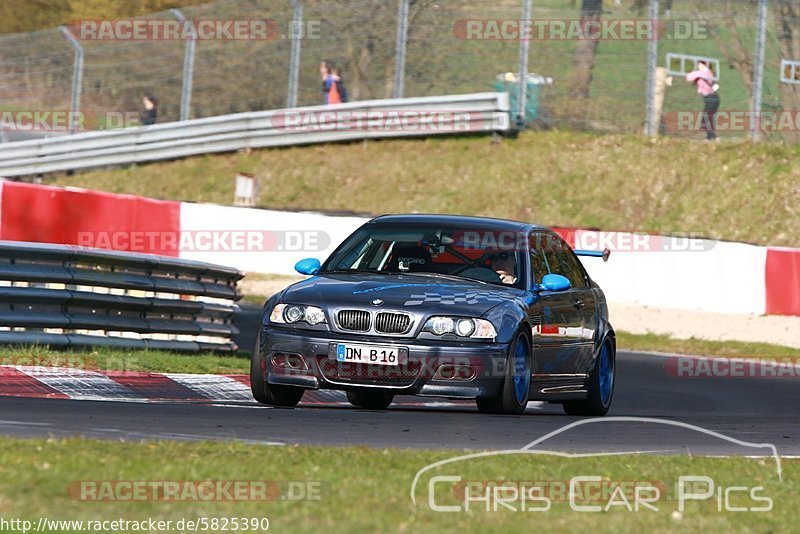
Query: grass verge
{"points": [[127, 360], [701, 347], [749, 192], [362, 489], [168, 362]]}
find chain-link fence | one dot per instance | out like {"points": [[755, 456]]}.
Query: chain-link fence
{"points": [[597, 63]]}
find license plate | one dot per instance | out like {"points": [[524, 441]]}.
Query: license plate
{"points": [[371, 354]]}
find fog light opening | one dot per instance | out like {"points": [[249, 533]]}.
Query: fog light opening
{"points": [[465, 372], [455, 372], [295, 362], [447, 372], [291, 361]]}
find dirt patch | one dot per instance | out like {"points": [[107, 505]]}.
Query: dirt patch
{"points": [[262, 286], [685, 324]]}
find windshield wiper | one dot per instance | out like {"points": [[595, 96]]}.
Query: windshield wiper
{"points": [[353, 271], [450, 277]]}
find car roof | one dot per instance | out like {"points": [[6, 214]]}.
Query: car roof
{"points": [[457, 220]]}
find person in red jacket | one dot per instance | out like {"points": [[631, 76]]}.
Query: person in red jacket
{"points": [[339, 83], [329, 91]]}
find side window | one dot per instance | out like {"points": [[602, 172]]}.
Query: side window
{"points": [[538, 261], [572, 265], [561, 260]]}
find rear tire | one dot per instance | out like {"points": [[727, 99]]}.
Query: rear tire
{"points": [[512, 398], [370, 400], [271, 394], [600, 390]]}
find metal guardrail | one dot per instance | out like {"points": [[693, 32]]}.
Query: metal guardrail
{"points": [[479, 112], [65, 296]]}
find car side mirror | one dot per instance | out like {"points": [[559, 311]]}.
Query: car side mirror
{"points": [[554, 282], [308, 266]]}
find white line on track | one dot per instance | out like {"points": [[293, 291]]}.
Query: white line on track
{"points": [[4, 422], [196, 437]]}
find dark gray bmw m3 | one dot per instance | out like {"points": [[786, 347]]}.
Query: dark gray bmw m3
{"points": [[498, 311]]}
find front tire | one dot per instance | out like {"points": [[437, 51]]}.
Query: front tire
{"points": [[512, 398], [600, 390], [271, 394], [370, 400]]}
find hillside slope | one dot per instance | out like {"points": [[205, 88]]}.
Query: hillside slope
{"points": [[730, 190]]}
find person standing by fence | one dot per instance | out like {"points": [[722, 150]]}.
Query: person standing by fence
{"points": [[703, 79], [338, 82], [149, 113], [329, 90]]}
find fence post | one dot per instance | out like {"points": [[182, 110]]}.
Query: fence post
{"points": [[77, 77], [400, 50], [188, 69], [758, 71], [651, 121], [524, 44], [294, 59]]}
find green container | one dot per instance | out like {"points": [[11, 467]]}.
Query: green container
{"points": [[532, 94]]}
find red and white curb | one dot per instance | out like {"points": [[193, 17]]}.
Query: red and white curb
{"points": [[133, 386], [649, 270]]}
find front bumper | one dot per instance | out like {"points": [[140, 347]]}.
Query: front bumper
{"points": [[421, 373]]}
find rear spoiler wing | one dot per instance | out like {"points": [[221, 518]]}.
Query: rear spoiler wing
{"points": [[605, 253]]}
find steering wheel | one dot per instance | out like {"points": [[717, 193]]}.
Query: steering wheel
{"points": [[484, 274]]}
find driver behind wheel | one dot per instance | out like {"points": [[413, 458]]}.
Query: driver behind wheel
{"points": [[504, 265]]}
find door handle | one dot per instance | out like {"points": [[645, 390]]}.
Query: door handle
{"points": [[578, 303]]}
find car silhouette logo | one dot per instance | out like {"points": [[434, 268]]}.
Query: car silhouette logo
{"points": [[377, 302]]}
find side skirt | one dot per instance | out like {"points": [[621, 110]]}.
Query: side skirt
{"points": [[558, 387]]}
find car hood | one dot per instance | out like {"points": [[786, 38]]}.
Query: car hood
{"points": [[422, 294]]}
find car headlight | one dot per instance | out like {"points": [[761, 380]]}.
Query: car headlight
{"points": [[294, 313], [460, 326]]}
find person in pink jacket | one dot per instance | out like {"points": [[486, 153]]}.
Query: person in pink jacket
{"points": [[703, 79]]}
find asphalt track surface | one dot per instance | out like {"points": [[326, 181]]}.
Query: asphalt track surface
{"points": [[751, 410]]}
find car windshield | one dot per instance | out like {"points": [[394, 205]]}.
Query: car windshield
{"points": [[487, 256]]}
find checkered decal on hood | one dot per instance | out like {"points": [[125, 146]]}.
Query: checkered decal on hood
{"points": [[461, 297]]}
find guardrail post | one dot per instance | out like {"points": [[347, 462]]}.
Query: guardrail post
{"points": [[651, 122], [188, 68], [524, 45], [758, 71], [294, 60], [77, 77], [400, 50]]}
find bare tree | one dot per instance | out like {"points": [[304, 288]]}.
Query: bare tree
{"points": [[585, 52], [738, 53]]}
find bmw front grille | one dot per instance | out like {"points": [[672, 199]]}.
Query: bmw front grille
{"points": [[354, 320], [392, 323]]}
